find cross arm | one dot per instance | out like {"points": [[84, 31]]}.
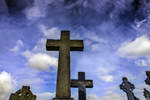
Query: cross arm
{"points": [[77, 83], [52, 44], [76, 45]]}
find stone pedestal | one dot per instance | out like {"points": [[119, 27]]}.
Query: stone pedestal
{"points": [[63, 99]]}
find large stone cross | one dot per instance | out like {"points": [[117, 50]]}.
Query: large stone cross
{"points": [[82, 84], [64, 46]]}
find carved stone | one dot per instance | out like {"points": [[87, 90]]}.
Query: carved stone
{"points": [[128, 87], [64, 46], [23, 94]]}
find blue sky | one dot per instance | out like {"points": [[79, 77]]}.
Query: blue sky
{"points": [[116, 44]]}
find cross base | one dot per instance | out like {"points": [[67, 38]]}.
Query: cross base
{"points": [[63, 99]]}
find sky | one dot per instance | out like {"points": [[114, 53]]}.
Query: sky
{"points": [[116, 37]]}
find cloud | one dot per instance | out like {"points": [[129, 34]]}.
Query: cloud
{"points": [[38, 10], [103, 74], [3, 7], [27, 54], [108, 96], [6, 85], [145, 62], [112, 96], [42, 61], [18, 46], [34, 13], [137, 48], [52, 32], [45, 96], [93, 97]]}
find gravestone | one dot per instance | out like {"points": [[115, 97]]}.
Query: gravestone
{"points": [[23, 94], [82, 84], [146, 94], [64, 46], [128, 87]]}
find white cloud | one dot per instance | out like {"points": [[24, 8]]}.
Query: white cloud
{"points": [[38, 10], [103, 74], [6, 85], [107, 78], [94, 37], [108, 96], [45, 96], [34, 13], [96, 47], [17, 47], [27, 54], [143, 62], [53, 32], [137, 48], [112, 96], [93, 97], [37, 58], [42, 61]]}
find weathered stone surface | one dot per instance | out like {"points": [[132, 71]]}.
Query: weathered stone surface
{"points": [[128, 87], [82, 84], [23, 94], [64, 46]]}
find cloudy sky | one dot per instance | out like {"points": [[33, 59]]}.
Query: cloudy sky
{"points": [[116, 36]]}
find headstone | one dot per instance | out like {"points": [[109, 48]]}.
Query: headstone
{"points": [[128, 87], [64, 46], [146, 94], [23, 94], [82, 84]]}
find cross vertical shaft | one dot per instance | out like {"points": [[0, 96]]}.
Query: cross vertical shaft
{"points": [[63, 68], [82, 89]]}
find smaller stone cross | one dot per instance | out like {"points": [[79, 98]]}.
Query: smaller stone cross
{"points": [[128, 87], [146, 94], [82, 84], [23, 94]]}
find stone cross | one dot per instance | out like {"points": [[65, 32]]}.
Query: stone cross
{"points": [[146, 94], [128, 87], [64, 46], [23, 94], [82, 84]]}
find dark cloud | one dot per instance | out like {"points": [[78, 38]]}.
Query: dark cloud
{"points": [[80, 12]]}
